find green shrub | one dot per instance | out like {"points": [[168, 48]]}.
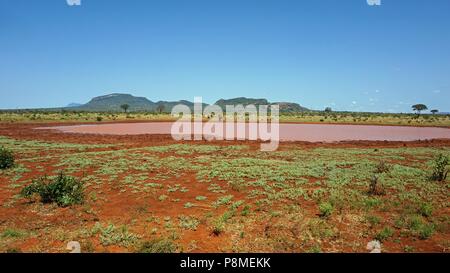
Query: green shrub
{"points": [[219, 224], [415, 222], [325, 209], [246, 210], [13, 250], [384, 234], [6, 158], [217, 228], [382, 167], [12, 233], [373, 220], [440, 171], [408, 249], [200, 198], [62, 190], [426, 209], [426, 231], [158, 246], [375, 187]]}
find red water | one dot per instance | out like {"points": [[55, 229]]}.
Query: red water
{"points": [[288, 132]]}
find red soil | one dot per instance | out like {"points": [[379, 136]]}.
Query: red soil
{"points": [[124, 206]]}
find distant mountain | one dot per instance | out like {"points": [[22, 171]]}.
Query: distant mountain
{"points": [[241, 100], [166, 106], [73, 104], [290, 107], [112, 103], [284, 106]]}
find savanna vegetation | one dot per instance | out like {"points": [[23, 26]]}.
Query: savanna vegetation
{"points": [[327, 116], [208, 197]]}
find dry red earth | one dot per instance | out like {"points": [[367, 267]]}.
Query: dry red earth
{"points": [[49, 227]]}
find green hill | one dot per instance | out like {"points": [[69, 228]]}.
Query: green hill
{"points": [[285, 107], [241, 100], [112, 102], [290, 107]]}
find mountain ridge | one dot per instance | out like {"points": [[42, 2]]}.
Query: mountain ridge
{"points": [[112, 102]]}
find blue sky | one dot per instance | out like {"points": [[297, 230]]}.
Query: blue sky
{"points": [[343, 54]]}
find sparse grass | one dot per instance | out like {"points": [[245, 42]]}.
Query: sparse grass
{"points": [[306, 117], [188, 222], [280, 191], [111, 235], [426, 231], [426, 209], [158, 246], [200, 198], [224, 200], [373, 220], [162, 197], [12, 233]]}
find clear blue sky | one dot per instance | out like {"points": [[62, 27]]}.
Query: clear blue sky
{"points": [[339, 53]]}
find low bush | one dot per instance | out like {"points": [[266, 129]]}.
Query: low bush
{"points": [[13, 250], [426, 209], [375, 187], [6, 158], [12, 233], [373, 220], [384, 234], [62, 190], [426, 231], [440, 171], [382, 167], [325, 209], [218, 228]]}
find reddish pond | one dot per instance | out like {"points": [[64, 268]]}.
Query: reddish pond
{"points": [[288, 132]]}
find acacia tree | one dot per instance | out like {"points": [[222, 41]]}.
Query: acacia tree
{"points": [[125, 107], [434, 111], [419, 108]]}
